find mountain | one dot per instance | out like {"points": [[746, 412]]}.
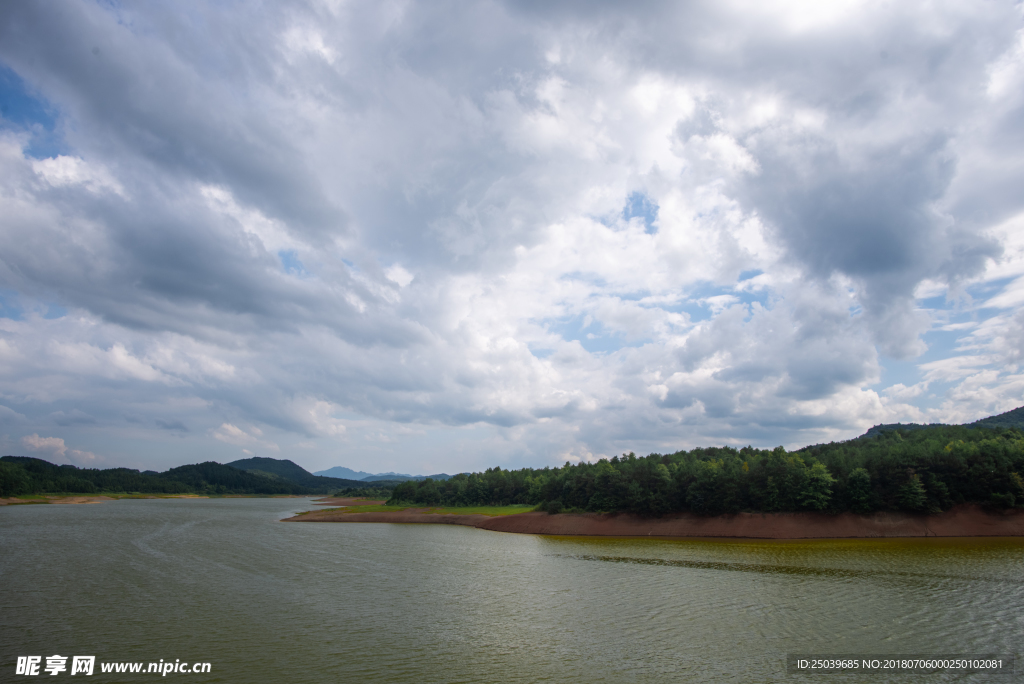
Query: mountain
{"points": [[344, 473], [341, 471], [231, 479], [25, 475], [280, 467], [296, 474], [1010, 419], [876, 430]]}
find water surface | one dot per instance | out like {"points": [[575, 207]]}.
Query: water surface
{"points": [[221, 580]]}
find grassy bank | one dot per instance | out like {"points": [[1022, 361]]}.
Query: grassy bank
{"points": [[437, 510]]}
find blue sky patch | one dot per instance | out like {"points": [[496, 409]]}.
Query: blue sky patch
{"points": [[699, 309], [540, 352], [9, 306], [55, 311], [14, 307], [592, 336], [22, 110], [291, 264], [638, 205]]}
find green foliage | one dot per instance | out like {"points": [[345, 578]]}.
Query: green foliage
{"points": [[817, 490], [24, 475], [858, 487], [365, 492], [912, 495], [13, 480], [215, 478], [927, 469], [1010, 419], [284, 469]]}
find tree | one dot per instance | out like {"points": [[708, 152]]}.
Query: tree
{"points": [[13, 480], [912, 495], [817, 491], [858, 486]]}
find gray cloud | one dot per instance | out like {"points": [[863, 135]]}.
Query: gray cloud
{"points": [[9, 416], [73, 417], [325, 228], [174, 425]]}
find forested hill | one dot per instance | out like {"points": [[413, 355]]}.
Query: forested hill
{"points": [[292, 472], [1010, 419], [927, 469], [25, 475]]}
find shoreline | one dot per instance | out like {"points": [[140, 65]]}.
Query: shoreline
{"points": [[965, 520], [100, 498]]}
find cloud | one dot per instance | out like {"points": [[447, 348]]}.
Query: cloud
{"points": [[63, 171], [74, 417], [8, 416], [253, 437], [174, 425], [53, 448], [524, 232]]}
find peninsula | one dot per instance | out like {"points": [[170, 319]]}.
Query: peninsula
{"points": [[896, 480], [967, 520]]}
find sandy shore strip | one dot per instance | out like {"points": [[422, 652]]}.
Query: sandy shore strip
{"points": [[966, 520], [57, 499]]}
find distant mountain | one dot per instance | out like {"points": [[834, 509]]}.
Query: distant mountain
{"points": [[343, 472], [405, 478], [290, 471], [1010, 419]]}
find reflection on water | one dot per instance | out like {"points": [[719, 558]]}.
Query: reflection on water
{"points": [[763, 568], [223, 581]]}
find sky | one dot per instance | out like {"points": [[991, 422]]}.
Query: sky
{"points": [[439, 237]]}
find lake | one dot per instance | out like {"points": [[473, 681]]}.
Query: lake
{"points": [[223, 581]]}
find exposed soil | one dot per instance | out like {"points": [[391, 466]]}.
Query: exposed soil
{"points": [[961, 521]]}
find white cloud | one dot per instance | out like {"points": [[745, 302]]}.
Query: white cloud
{"points": [[366, 220], [62, 171], [251, 437], [53, 448], [399, 275]]}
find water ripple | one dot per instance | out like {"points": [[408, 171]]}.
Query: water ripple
{"points": [[769, 569]]}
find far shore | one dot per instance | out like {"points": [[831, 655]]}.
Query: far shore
{"points": [[967, 520], [88, 499], [100, 498], [347, 501]]}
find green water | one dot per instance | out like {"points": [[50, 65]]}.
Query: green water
{"points": [[222, 581]]}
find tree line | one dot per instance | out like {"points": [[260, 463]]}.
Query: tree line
{"points": [[25, 475], [925, 470]]}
